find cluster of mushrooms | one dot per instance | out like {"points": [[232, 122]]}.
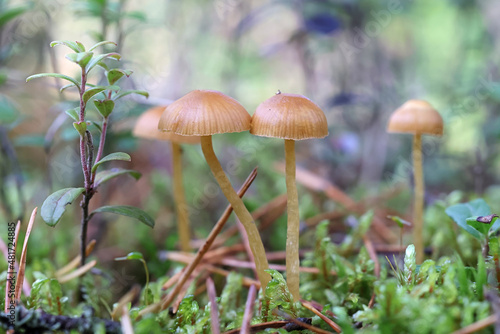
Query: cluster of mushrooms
{"points": [[198, 115]]}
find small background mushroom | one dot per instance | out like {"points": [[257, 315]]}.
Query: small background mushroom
{"points": [[147, 127], [417, 117]]}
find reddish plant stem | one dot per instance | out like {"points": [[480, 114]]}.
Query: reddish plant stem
{"points": [[86, 167], [83, 155], [102, 140]]}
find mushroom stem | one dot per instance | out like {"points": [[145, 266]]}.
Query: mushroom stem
{"points": [[180, 199], [239, 209], [292, 234], [418, 207]]}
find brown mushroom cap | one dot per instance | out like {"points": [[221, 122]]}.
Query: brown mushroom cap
{"points": [[289, 116], [204, 113], [147, 127], [417, 117]]}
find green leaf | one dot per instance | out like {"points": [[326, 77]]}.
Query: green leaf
{"points": [[73, 113], [122, 94], [129, 211], [75, 46], [103, 65], [110, 157], [63, 88], [55, 205], [478, 225], [95, 46], [116, 74], [400, 221], [107, 175], [80, 58], [105, 107], [91, 92], [81, 127], [460, 212], [131, 256], [53, 75], [98, 58], [9, 14]]}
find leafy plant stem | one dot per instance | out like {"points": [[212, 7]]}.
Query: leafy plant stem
{"points": [[85, 220]]}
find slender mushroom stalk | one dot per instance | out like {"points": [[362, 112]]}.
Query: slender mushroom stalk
{"points": [[290, 117], [293, 225], [418, 204], [180, 199], [417, 117], [147, 127], [205, 113], [240, 210]]}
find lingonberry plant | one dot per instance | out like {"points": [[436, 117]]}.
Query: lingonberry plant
{"points": [[104, 98]]}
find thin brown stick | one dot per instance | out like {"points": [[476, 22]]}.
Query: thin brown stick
{"points": [[371, 303], [323, 317], [124, 300], [300, 323], [279, 267], [276, 203], [22, 261], [260, 327], [244, 238], [76, 261], [247, 281], [171, 281], [373, 254], [182, 293], [247, 316], [214, 309], [78, 272], [167, 300], [478, 325], [125, 322]]}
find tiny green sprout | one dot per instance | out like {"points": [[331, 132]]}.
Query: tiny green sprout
{"points": [[401, 223], [138, 256]]}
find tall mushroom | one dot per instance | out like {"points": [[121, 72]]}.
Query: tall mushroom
{"points": [[147, 127], [205, 113], [417, 117], [290, 117]]}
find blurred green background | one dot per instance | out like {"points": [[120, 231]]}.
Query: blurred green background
{"points": [[357, 59]]}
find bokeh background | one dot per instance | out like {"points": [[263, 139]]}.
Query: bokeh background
{"points": [[357, 59]]}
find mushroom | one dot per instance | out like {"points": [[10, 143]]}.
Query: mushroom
{"points": [[290, 117], [417, 117], [205, 113], [147, 127]]}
